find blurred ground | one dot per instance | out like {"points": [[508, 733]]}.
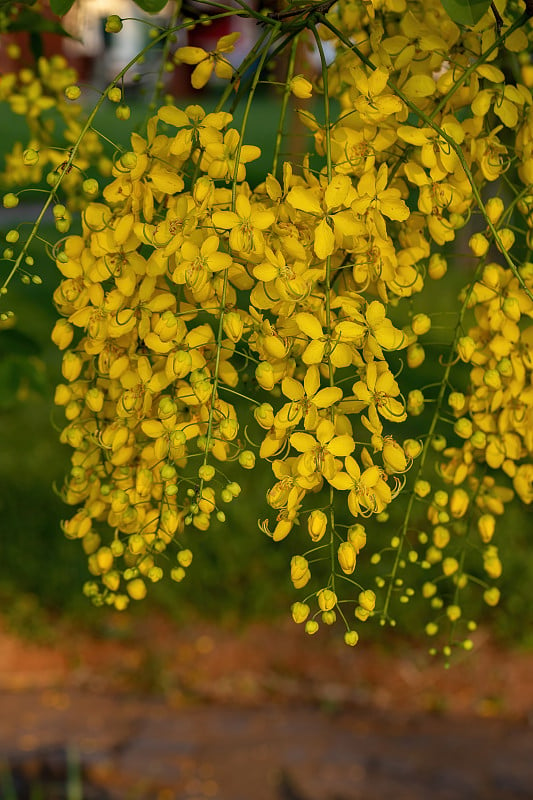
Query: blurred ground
{"points": [[265, 712]]}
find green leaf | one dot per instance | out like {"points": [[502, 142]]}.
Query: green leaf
{"points": [[34, 22], [17, 343], [151, 6], [466, 12], [10, 379], [61, 7]]}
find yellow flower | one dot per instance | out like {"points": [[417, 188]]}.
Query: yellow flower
{"points": [[375, 199], [197, 264], [368, 492], [319, 454], [379, 391], [246, 225], [369, 97], [306, 400], [204, 63], [223, 160]]}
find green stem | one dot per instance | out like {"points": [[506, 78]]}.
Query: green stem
{"points": [[284, 105]]}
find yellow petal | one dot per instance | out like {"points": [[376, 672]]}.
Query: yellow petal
{"points": [[304, 200], [303, 442], [327, 397], [190, 55], [173, 116], [324, 244], [309, 325], [341, 446]]}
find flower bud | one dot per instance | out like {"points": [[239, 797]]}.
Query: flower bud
{"points": [[492, 379], [327, 599], [300, 612], [104, 559], [415, 355], [463, 428], [420, 324], [136, 589], [247, 459], [507, 239], [10, 200], [123, 112], [412, 448], [30, 157], [367, 600], [494, 208], [422, 488], [71, 366], [351, 638], [491, 562], [453, 613], [437, 267], [415, 402], [450, 566], [90, 187], [347, 555], [479, 244], [184, 558], [62, 334], [301, 87], [72, 92], [299, 569], [264, 415], [457, 401], [316, 525], [177, 574], [94, 399], [264, 375], [311, 627], [466, 348], [486, 525], [491, 596], [393, 455], [459, 503], [511, 309], [357, 537], [233, 325], [429, 590], [113, 24], [441, 537]]}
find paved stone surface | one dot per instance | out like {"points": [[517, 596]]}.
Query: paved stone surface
{"points": [[133, 747]]}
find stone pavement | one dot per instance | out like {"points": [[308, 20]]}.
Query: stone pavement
{"points": [[138, 748]]}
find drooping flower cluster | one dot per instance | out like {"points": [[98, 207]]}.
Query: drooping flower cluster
{"points": [[38, 95], [185, 278]]}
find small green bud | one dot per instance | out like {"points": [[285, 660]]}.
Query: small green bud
{"points": [[30, 157], [123, 112], [114, 94], [113, 24], [10, 200], [72, 92]]}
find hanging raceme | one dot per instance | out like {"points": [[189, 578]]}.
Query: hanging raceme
{"points": [[186, 284]]}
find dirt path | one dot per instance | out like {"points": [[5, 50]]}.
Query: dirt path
{"points": [[264, 714], [138, 747]]}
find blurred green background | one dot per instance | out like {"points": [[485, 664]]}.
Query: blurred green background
{"points": [[238, 573]]}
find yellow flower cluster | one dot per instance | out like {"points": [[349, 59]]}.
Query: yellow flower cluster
{"points": [[38, 95], [185, 278]]}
